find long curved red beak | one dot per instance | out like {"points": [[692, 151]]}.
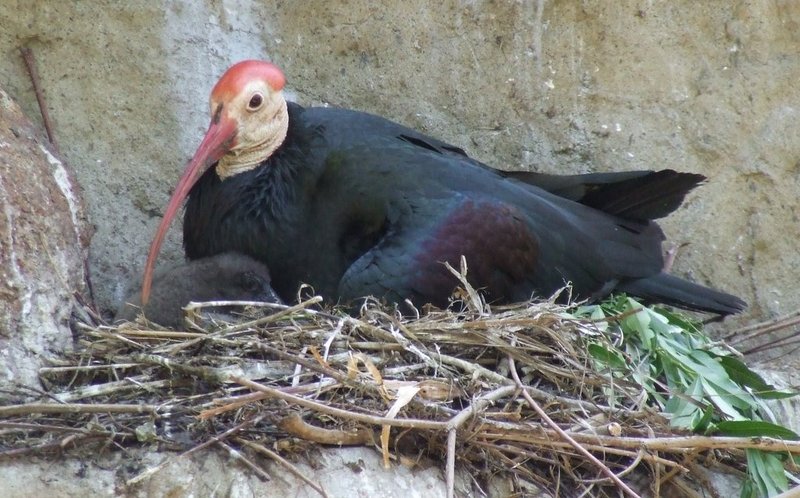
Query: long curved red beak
{"points": [[218, 140]]}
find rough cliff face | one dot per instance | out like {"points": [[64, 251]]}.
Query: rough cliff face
{"points": [[42, 249], [558, 86], [709, 87]]}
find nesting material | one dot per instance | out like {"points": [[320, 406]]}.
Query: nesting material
{"points": [[508, 392]]}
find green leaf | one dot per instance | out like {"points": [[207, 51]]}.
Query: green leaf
{"points": [[686, 409], [706, 366], [748, 489], [754, 428], [679, 320], [637, 323], [666, 352], [703, 423], [767, 472], [608, 357], [722, 400], [742, 375]]}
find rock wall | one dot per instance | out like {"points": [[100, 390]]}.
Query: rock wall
{"points": [[42, 249], [342, 473], [558, 86]]}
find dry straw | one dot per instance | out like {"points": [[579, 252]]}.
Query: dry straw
{"points": [[506, 392]]}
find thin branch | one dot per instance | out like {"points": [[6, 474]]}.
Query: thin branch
{"points": [[777, 321], [216, 439], [538, 409], [30, 63], [85, 368], [478, 405], [128, 384], [238, 328], [667, 444], [237, 455], [593, 447], [451, 463], [32, 408], [338, 412], [58, 445], [24, 426], [296, 426], [285, 463]]}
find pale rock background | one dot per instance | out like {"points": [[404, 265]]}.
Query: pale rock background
{"points": [[559, 86]]}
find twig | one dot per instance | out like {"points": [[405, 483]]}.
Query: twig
{"points": [[473, 368], [88, 307], [478, 405], [55, 445], [214, 375], [630, 468], [317, 367], [158, 334], [237, 455], [783, 342], [675, 444], [232, 404], [285, 463], [46, 427], [778, 320], [667, 444], [236, 402], [475, 299], [482, 440], [766, 329], [216, 439], [305, 362], [105, 334], [296, 426], [276, 316], [338, 412], [236, 329], [85, 368], [30, 63], [376, 332], [370, 345], [195, 306], [32, 408], [538, 409], [451, 463]]}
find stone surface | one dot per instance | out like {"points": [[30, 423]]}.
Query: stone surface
{"points": [[343, 473], [558, 86], [708, 87], [42, 249]]}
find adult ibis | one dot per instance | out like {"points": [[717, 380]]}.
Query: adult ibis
{"points": [[354, 205]]}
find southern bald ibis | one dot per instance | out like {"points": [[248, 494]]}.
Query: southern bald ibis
{"points": [[354, 205]]}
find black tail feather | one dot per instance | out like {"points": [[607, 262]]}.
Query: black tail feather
{"points": [[635, 195], [675, 291]]}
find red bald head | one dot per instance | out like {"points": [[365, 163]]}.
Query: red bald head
{"points": [[240, 74]]}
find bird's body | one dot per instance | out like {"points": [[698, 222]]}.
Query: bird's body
{"points": [[354, 205], [221, 277]]}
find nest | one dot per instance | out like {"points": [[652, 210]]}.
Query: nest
{"points": [[508, 392]]}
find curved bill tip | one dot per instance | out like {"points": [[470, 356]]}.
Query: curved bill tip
{"points": [[216, 142]]}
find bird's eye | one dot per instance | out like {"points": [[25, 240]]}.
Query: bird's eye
{"points": [[255, 102]]}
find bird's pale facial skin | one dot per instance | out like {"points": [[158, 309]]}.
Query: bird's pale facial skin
{"points": [[261, 124]]}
